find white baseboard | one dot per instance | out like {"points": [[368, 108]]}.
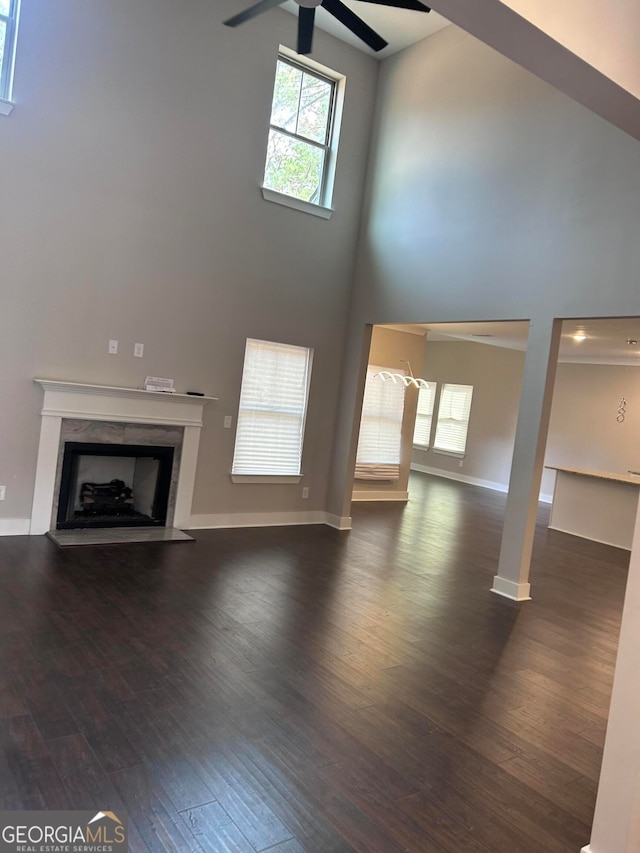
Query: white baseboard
{"points": [[338, 522], [381, 495], [590, 538], [587, 849], [511, 589], [14, 526], [266, 519], [473, 481]]}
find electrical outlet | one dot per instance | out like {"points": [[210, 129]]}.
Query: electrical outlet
{"points": [[138, 350], [113, 348], [460, 464], [305, 491], [3, 492], [227, 422]]}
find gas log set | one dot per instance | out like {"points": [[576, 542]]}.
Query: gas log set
{"points": [[112, 498]]}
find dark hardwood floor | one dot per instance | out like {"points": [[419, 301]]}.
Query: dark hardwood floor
{"points": [[300, 689]]}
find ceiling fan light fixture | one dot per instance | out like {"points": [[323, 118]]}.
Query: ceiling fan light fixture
{"points": [[402, 378]]}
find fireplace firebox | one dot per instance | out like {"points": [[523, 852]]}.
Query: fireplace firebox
{"points": [[114, 485]]}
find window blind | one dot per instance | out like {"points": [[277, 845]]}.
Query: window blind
{"points": [[424, 415], [379, 444], [273, 405], [453, 418]]}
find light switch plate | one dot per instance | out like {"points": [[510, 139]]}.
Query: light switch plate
{"points": [[227, 422], [113, 348]]}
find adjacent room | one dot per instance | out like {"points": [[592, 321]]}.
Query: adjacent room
{"points": [[318, 435], [457, 419]]}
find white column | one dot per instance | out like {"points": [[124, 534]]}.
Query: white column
{"points": [[347, 426], [45, 474], [512, 580], [187, 479], [616, 823]]}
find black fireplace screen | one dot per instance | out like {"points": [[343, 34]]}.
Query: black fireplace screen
{"points": [[114, 485]]}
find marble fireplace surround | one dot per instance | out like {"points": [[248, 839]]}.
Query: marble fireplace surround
{"points": [[78, 412]]}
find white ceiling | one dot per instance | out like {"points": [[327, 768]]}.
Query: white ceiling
{"points": [[400, 27], [606, 340]]}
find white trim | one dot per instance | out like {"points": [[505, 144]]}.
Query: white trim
{"points": [[14, 526], [511, 589], [462, 478], [590, 538], [587, 849], [266, 478], [256, 519], [380, 495], [122, 405], [340, 82], [297, 203], [472, 481], [6, 107], [186, 475], [338, 522], [46, 466], [117, 391], [311, 64], [457, 454]]}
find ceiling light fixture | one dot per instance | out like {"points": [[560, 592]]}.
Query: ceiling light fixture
{"points": [[402, 377], [579, 336]]}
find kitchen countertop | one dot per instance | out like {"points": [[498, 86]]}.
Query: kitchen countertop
{"points": [[634, 480]]}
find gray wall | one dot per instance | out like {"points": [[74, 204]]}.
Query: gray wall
{"points": [[491, 196], [583, 431], [496, 376], [130, 209]]}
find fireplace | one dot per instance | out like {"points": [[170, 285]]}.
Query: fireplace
{"points": [[120, 417], [114, 485]]}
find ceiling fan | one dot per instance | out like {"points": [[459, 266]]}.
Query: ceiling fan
{"points": [[337, 8]]}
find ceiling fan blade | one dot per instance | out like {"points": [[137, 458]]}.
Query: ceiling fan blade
{"points": [[416, 5], [355, 24], [306, 18], [251, 12]]}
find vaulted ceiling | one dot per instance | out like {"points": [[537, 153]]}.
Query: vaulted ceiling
{"points": [[587, 54]]}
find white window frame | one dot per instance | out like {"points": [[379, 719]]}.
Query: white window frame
{"points": [[432, 390], [8, 59], [384, 469], [322, 209], [259, 475], [438, 448]]}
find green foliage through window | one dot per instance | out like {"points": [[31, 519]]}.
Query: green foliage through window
{"points": [[300, 133]]}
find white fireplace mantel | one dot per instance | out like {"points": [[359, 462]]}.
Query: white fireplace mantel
{"points": [[123, 405]]}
